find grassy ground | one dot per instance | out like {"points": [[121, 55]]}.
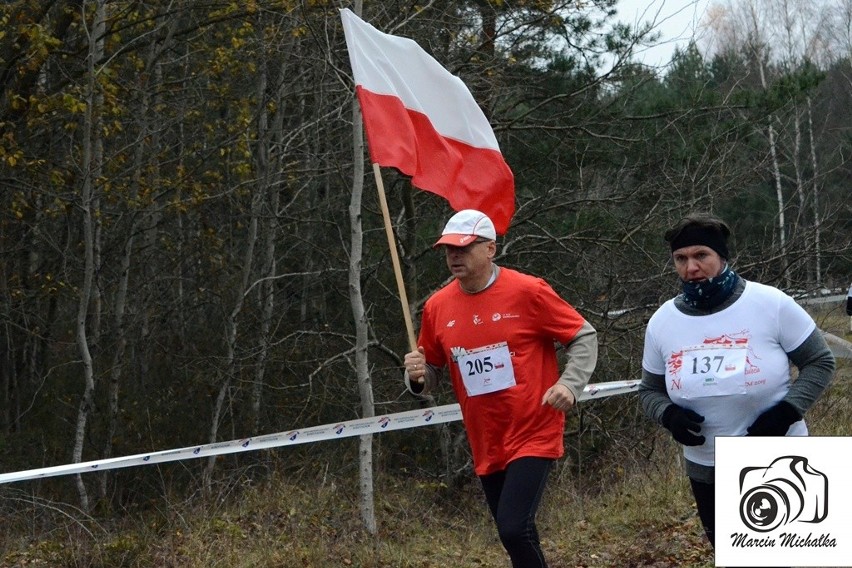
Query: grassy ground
{"points": [[641, 521], [627, 513]]}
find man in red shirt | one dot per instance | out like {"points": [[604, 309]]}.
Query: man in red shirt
{"points": [[496, 329]]}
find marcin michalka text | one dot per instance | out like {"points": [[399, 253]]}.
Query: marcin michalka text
{"points": [[789, 540]]}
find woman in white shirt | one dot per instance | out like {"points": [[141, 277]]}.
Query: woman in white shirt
{"points": [[716, 357]]}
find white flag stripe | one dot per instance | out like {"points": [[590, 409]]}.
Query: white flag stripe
{"points": [[390, 65], [357, 427]]}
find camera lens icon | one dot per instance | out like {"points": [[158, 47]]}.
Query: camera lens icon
{"points": [[789, 489], [764, 508]]}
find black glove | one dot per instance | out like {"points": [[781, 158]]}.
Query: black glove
{"points": [[775, 421], [684, 424]]}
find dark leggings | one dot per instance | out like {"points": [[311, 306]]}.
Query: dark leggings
{"points": [[513, 497], [705, 500]]}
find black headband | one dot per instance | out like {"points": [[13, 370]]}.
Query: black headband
{"points": [[696, 235]]}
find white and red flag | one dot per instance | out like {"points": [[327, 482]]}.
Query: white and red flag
{"points": [[422, 120]]}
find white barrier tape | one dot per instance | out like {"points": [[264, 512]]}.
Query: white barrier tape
{"points": [[357, 427]]}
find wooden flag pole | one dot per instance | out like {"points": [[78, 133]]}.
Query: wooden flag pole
{"points": [[403, 298]]}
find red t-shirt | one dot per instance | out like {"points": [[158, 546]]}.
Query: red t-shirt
{"points": [[525, 312]]}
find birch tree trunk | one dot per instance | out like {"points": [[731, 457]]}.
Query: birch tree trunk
{"points": [[804, 38], [801, 226], [146, 133], [365, 385], [779, 195], [120, 332], [265, 174], [232, 321], [231, 334], [815, 191], [91, 168], [759, 57]]}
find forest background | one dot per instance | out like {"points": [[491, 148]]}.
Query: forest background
{"points": [[192, 251]]}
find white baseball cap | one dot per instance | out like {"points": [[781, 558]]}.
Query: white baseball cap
{"points": [[464, 227]]}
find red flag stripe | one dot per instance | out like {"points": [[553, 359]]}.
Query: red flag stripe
{"points": [[466, 176], [423, 121]]}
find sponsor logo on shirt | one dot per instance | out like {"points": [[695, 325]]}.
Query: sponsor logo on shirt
{"points": [[477, 320], [497, 316], [741, 338], [451, 323]]}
